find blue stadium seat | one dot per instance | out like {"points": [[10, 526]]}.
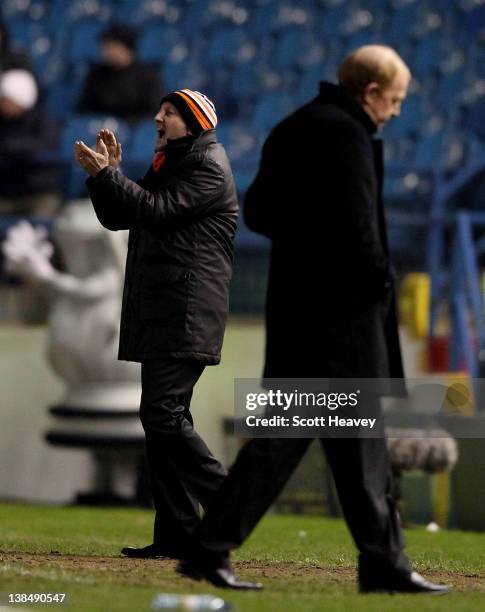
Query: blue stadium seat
{"points": [[135, 13], [184, 73], [145, 12], [331, 20], [83, 44], [446, 7], [398, 149], [474, 149], [35, 38], [383, 7], [62, 98], [449, 91], [270, 109], [35, 10], [411, 120], [142, 142], [157, 42], [297, 48], [23, 31], [443, 150], [405, 20], [240, 141], [436, 18], [218, 89], [263, 20], [477, 62], [428, 56], [139, 149], [454, 150], [227, 45], [64, 15], [244, 176], [364, 20], [402, 183], [253, 80], [474, 119], [428, 152], [474, 23], [200, 15], [364, 37]]}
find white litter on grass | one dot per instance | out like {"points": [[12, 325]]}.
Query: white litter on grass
{"points": [[433, 527]]}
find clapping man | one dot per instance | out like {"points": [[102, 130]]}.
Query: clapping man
{"points": [[182, 219]]}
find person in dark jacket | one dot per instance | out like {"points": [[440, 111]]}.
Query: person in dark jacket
{"points": [[30, 177], [121, 85], [182, 219], [330, 313]]}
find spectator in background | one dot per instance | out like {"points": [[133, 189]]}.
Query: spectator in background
{"points": [[29, 177], [9, 58], [121, 85]]}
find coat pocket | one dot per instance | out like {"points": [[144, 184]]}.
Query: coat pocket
{"points": [[164, 296]]}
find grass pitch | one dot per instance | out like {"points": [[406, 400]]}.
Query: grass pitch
{"points": [[306, 564]]}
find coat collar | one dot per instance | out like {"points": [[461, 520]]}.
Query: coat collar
{"points": [[336, 94], [188, 144]]}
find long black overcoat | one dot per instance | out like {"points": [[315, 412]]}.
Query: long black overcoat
{"points": [[330, 308], [182, 221]]}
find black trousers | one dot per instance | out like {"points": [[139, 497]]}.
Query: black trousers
{"points": [[183, 471], [362, 475]]}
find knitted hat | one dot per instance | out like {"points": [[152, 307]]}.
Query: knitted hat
{"points": [[20, 87], [198, 112]]}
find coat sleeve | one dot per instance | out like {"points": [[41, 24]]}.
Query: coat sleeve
{"points": [[120, 203], [258, 210]]}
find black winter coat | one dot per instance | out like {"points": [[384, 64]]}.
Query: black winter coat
{"points": [[182, 221], [132, 93], [330, 308]]}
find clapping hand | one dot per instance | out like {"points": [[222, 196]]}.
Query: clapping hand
{"points": [[91, 161], [114, 148]]}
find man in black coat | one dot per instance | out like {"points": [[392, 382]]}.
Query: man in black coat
{"points": [[121, 85], [330, 313], [182, 219]]}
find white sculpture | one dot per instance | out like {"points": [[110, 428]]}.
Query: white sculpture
{"points": [[85, 301], [100, 408]]}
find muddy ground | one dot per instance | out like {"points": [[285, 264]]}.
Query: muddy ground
{"points": [[147, 572]]}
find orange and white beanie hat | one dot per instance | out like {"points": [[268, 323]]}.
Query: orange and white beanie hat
{"points": [[198, 112]]}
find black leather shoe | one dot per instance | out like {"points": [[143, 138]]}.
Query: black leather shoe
{"points": [[220, 577], [412, 583], [152, 551]]}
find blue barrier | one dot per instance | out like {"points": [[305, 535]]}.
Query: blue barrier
{"points": [[466, 295], [440, 219]]}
